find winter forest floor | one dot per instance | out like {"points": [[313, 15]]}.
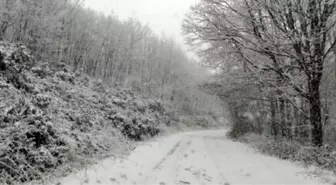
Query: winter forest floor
{"points": [[198, 157]]}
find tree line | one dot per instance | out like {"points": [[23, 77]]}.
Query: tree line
{"points": [[275, 59], [121, 53]]}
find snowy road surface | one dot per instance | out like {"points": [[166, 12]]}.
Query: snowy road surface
{"points": [[204, 157]]}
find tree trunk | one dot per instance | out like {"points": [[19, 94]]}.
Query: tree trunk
{"points": [[296, 120], [289, 120], [282, 116], [326, 111], [315, 112], [274, 130]]}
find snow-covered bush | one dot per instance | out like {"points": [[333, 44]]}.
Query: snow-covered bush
{"points": [[41, 72], [240, 127], [324, 157], [42, 100], [139, 106], [82, 123], [98, 86], [198, 121], [50, 124], [156, 106], [67, 77], [136, 127], [30, 148]]}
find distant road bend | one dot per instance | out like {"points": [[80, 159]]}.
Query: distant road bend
{"points": [[195, 158]]}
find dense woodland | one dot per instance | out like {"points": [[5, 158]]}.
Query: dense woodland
{"points": [[275, 63], [271, 63], [274, 59], [76, 84], [121, 53]]}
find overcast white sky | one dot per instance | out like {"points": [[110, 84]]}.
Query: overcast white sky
{"points": [[163, 16]]}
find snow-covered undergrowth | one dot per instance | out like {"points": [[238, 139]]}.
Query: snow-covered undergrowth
{"points": [[52, 118], [322, 157]]}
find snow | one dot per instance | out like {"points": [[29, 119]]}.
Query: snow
{"points": [[202, 157]]}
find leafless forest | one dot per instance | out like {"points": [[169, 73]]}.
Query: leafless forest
{"points": [[267, 67], [281, 55], [276, 63], [119, 53], [75, 71]]}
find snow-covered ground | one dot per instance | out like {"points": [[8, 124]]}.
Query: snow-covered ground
{"points": [[204, 157]]}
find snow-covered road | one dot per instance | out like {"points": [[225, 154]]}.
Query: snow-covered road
{"points": [[204, 157]]}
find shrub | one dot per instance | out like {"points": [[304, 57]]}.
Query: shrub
{"points": [[135, 128], [66, 77], [323, 157], [240, 127], [156, 106], [42, 101], [29, 149]]}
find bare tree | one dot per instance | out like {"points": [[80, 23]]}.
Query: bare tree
{"points": [[119, 52], [291, 37]]}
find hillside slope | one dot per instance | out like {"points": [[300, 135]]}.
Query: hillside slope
{"points": [[52, 118]]}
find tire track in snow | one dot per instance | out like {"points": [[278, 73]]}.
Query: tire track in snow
{"points": [[168, 164], [213, 160], [193, 171], [181, 157], [197, 165], [169, 154]]}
